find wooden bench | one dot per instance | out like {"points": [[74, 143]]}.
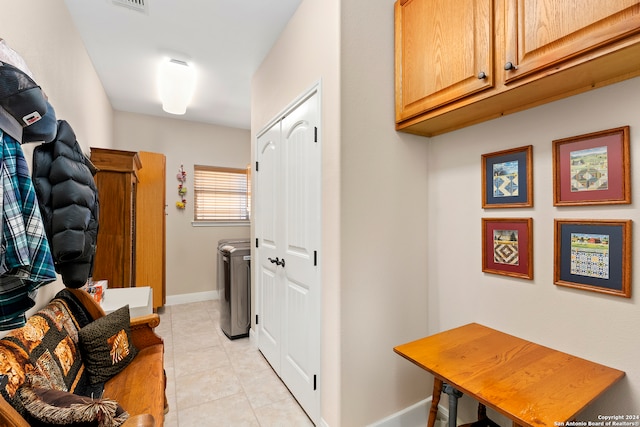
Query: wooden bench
{"points": [[139, 388]]}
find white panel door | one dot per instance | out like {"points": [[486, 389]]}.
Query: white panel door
{"points": [[288, 219], [300, 357], [269, 231]]}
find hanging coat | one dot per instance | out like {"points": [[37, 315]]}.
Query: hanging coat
{"points": [[63, 178]]}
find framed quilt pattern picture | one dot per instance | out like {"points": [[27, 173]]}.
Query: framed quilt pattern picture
{"points": [[593, 255], [507, 247], [507, 178], [592, 169]]}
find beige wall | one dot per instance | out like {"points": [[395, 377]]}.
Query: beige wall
{"points": [[43, 33], [53, 50], [191, 251], [590, 325], [384, 220]]}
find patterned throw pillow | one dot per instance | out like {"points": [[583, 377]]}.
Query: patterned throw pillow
{"points": [[48, 407], [48, 341], [106, 345]]}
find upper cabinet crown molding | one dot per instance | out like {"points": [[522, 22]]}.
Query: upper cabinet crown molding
{"points": [[457, 65]]}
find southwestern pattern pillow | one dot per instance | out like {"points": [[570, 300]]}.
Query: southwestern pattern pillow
{"points": [[47, 407], [106, 345], [48, 341]]}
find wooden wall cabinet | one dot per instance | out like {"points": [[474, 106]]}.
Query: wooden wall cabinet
{"points": [[117, 181], [441, 47], [461, 64]]}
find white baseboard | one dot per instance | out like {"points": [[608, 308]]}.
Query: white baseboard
{"points": [[415, 415], [193, 297], [253, 337]]}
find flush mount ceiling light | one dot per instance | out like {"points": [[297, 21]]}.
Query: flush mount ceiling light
{"points": [[176, 83]]}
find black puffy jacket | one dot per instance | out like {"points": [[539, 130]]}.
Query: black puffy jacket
{"points": [[68, 198]]}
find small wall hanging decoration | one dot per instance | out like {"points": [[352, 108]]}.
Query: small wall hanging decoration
{"points": [[593, 255], [592, 169], [507, 247], [507, 178], [182, 188]]}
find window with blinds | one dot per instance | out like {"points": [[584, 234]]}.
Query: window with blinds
{"points": [[221, 194]]}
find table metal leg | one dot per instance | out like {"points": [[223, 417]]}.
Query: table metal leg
{"points": [[453, 403]]}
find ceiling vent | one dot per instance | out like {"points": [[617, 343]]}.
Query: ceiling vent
{"points": [[139, 5]]}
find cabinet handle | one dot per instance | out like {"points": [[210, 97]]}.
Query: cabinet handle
{"points": [[482, 75], [509, 66]]}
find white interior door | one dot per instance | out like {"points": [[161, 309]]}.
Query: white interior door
{"points": [[289, 240], [267, 228], [300, 353]]}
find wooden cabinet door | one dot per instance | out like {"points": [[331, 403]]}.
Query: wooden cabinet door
{"points": [[150, 226], [542, 34], [114, 257], [443, 52]]}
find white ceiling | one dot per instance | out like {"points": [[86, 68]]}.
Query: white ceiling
{"points": [[225, 40]]}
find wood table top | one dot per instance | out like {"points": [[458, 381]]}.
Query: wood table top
{"points": [[531, 384]]}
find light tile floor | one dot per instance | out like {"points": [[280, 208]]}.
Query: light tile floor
{"points": [[214, 381]]}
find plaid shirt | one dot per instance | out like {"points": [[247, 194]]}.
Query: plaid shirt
{"points": [[25, 258]]}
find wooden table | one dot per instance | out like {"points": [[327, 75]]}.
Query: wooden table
{"points": [[530, 384]]}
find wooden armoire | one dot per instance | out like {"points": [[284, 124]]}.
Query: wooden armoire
{"points": [[131, 238], [117, 181]]}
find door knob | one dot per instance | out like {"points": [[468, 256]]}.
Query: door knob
{"points": [[509, 66], [482, 75]]}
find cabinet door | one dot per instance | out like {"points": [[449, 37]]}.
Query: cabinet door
{"points": [[444, 52], [542, 34], [114, 250], [150, 226]]}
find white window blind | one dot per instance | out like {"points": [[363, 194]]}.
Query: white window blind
{"points": [[221, 194]]}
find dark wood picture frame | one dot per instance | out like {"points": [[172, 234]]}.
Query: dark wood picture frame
{"points": [[507, 247], [592, 169], [507, 178], [593, 255]]}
